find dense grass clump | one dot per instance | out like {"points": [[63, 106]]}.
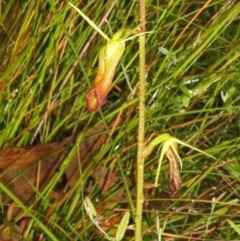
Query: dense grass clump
{"points": [[54, 152]]}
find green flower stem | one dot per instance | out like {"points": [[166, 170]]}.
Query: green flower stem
{"points": [[141, 128]]}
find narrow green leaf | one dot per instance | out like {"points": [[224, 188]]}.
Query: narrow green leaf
{"points": [[237, 229], [110, 238], [90, 22], [122, 226], [221, 211], [89, 207]]}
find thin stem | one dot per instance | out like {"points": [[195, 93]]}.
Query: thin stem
{"points": [[141, 128], [90, 22]]}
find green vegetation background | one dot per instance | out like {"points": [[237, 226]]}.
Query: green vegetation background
{"points": [[48, 59]]}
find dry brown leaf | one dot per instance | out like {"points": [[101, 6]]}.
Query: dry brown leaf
{"points": [[22, 168], [21, 180], [148, 185], [18, 157], [87, 149], [105, 178]]}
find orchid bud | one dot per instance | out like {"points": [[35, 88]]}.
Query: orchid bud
{"points": [[109, 58]]}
